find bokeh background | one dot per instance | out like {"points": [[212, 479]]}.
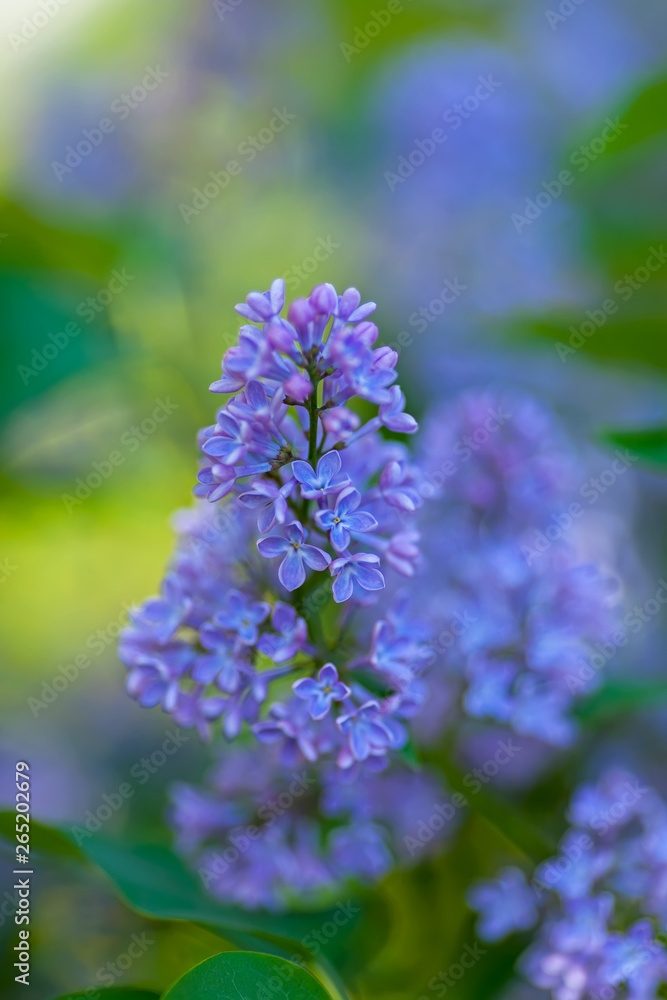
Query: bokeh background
{"points": [[121, 260]]}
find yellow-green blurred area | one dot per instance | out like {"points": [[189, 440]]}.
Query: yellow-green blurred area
{"points": [[126, 239]]}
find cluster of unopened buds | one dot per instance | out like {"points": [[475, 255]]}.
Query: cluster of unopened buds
{"points": [[330, 497]]}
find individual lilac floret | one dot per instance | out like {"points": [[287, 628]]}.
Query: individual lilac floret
{"points": [[505, 904], [242, 615], [345, 518], [270, 500], [215, 482], [393, 416], [328, 478], [292, 572], [291, 637], [321, 692], [361, 569], [221, 666], [397, 487], [367, 731]]}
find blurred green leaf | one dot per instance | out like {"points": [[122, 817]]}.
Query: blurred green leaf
{"points": [[236, 975], [125, 993], [646, 117], [43, 838], [641, 340], [621, 697], [649, 445], [505, 816], [154, 882], [31, 244]]}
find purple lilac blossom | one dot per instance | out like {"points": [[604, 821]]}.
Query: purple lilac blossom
{"points": [[305, 511], [602, 900], [367, 823], [517, 607]]}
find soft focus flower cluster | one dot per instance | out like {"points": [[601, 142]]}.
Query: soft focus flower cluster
{"points": [[264, 833], [314, 505], [601, 903], [517, 601]]}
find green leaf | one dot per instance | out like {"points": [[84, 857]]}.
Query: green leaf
{"points": [[646, 117], [31, 244], [240, 975], [154, 882], [44, 839], [641, 339], [125, 993], [506, 817], [648, 445], [619, 698]]}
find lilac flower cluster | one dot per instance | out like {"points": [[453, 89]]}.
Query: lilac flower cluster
{"points": [[263, 833], [516, 600], [601, 903], [314, 506]]}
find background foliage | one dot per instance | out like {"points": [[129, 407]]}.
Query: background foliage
{"points": [[69, 569]]}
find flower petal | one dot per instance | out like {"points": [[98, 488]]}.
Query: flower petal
{"points": [[343, 586], [314, 557], [328, 466], [294, 532], [328, 674], [340, 537], [320, 705], [303, 473], [347, 501], [272, 546], [369, 578], [307, 687], [292, 572], [361, 520]]}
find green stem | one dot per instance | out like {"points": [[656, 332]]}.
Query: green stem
{"points": [[312, 440], [312, 435]]}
